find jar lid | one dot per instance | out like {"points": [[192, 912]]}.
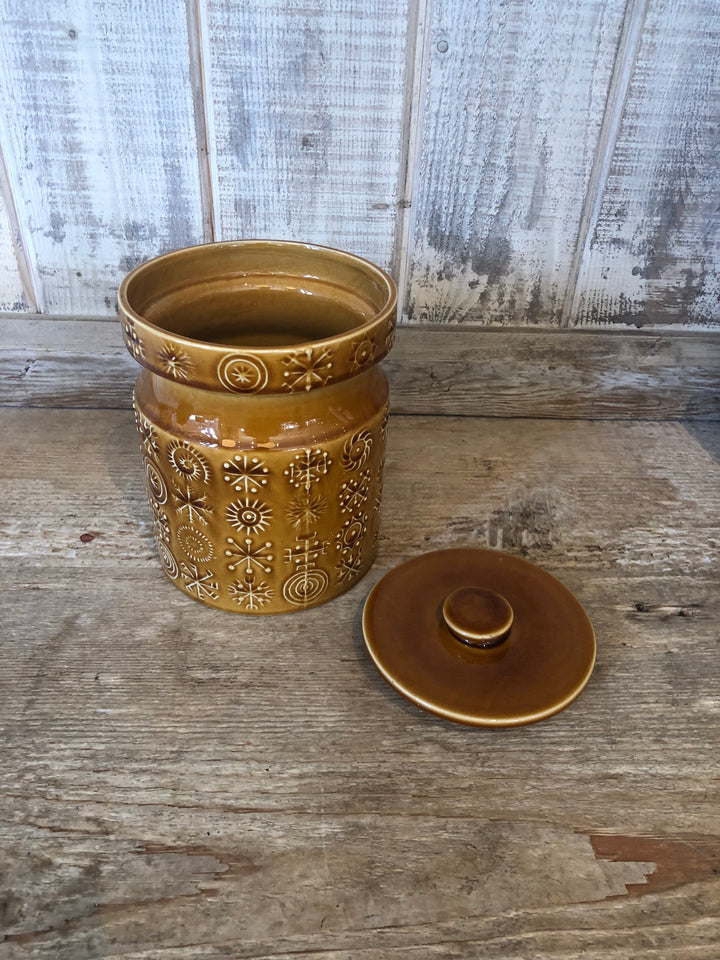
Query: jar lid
{"points": [[479, 637]]}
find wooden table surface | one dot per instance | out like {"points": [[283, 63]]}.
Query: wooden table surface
{"points": [[181, 783]]}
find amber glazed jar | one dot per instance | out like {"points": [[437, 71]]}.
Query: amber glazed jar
{"points": [[262, 414]]}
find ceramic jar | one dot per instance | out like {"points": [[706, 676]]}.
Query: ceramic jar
{"points": [[262, 414]]}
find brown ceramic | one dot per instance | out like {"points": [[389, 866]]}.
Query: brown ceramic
{"points": [[479, 637], [262, 413]]}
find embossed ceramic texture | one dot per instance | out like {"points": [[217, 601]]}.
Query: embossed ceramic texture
{"points": [[262, 414]]}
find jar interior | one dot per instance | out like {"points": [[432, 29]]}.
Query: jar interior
{"points": [[259, 311]]}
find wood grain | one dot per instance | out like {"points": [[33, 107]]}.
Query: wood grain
{"points": [[514, 102], [307, 107], [433, 370], [182, 783], [12, 295], [653, 255], [100, 141]]}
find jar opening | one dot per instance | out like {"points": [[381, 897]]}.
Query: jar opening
{"points": [[257, 311], [261, 294]]}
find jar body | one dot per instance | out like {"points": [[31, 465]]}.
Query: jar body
{"points": [[262, 413], [264, 504]]}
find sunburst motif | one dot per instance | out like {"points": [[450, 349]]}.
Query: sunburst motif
{"points": [[361, 353], [175, 361], [252, 516], [357, 450], [187, 461], [306, 508]]}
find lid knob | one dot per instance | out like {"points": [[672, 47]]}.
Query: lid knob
{"points": [[477, 616]]}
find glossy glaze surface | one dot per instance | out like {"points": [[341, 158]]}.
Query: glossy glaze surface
{"points": [[264, 467], [537, 669]]}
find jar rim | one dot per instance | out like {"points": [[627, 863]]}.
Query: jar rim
{"points": [[299, 366]]}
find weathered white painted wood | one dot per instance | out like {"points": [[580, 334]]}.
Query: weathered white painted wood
{"points": [[12, 295], [515, 95], [433, 370], [654, 255], [307, 107], [182, 784], [101, 140]]}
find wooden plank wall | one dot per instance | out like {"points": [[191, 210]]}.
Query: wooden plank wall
{"points": [[514, 164]]}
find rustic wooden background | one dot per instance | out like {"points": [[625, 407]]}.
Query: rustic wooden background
{"points": [[514, 163]]}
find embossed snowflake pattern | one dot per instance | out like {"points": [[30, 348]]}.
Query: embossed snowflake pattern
{"points": [[308, 467], [249, 593], [252, 516], [354, 492], [200, 583], [348, 566], [306, 369], [161, 523], [306, 508], [132, 339], [174, 361], [249, 555], [191, 504], [148, 434], [245, 474]]}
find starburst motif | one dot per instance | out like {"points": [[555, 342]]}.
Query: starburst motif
{"points": [[357, 450], [361, 353], [245, 474], [187, 461], [249, 555], [250, 594], [354, 492], [132, 339], [175, 361], [199, 582], [194, 506], [307, 507], [306, 369], [390, 335], [308, 467], [242, 373], [252, 516]]}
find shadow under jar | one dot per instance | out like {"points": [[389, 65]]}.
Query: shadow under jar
{"points": [[262, 413]]}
